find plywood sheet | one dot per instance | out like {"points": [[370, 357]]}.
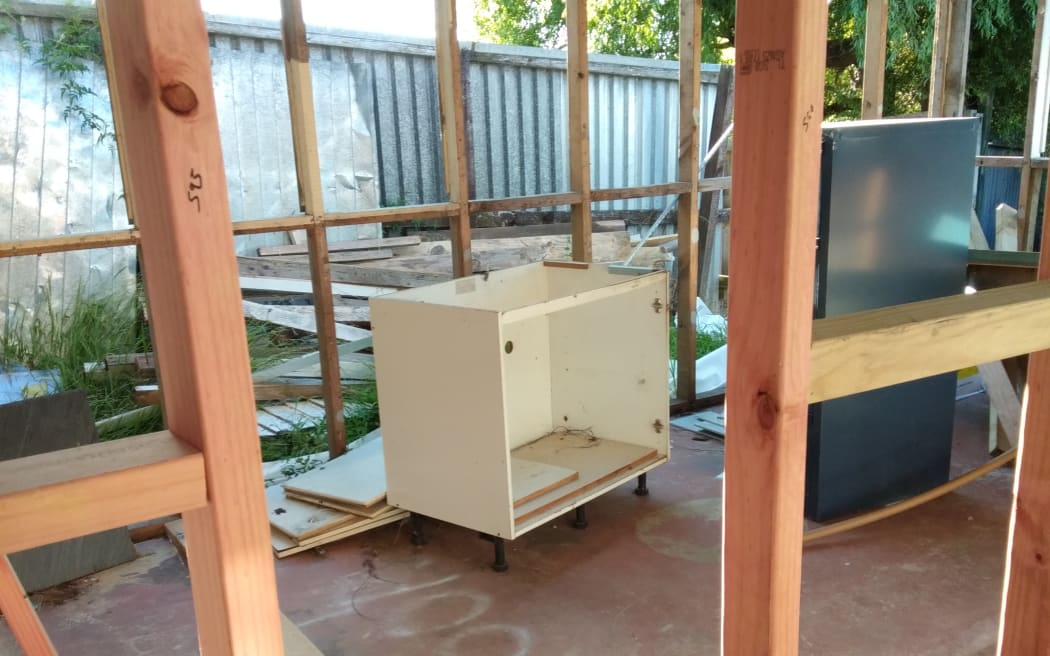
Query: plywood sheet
{"points": [[300, 520], [356, 478], [353, 509], [284, 546], [530, 480], [597, 461]]}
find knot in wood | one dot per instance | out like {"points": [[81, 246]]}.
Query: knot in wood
{"points": [[179, 98], [766, 410]]}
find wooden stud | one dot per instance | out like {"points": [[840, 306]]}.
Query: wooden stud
{"points": [[19, 614], [579, 128], [161, 59], [308, 168], [941, 22], [453, 133], [1035, 135], [874, 58], [951, 43], [776, 173], [688, 209], [708, 233], [1023, 628]]}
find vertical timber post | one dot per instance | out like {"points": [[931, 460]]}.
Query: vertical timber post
{"points": [[689, 44], [308, 169], [776, 175], [579, 128], [164, 85], [453, 134], [874, 59]]}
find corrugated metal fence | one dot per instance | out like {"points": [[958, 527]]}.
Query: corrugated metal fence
{"points": [[378, 130]]}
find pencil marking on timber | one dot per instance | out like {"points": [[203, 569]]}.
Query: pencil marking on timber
{"points": [[196, 182], [807, 118], [759, 61], [179, 98], [766, 409]]}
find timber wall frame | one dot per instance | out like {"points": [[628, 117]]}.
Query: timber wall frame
{"points": [[205, 464]]}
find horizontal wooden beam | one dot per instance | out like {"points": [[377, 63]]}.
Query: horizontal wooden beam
{"points": [[391, 214], [1025, 259], [69, 243], [282, 224], [1011, 162], [868, 350], [64, 494], [714, 184], [524, 202], [644, 191]]}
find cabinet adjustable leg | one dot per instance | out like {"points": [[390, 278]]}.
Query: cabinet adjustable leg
{"points": [[418, 538], [641, 490], [581, 517], [500, 562]]}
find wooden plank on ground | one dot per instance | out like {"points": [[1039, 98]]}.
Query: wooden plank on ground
{"points": [[276, 314], [578, 78], [295, 643], [357, 478], [304, 287], [160, 57], [342, 256], [19, 614], [284, 546], [299, 520], [260, 267], [530, 480], [867, 350], [337, 246], [776, 172]]}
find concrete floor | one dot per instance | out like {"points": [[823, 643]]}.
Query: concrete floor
{"points": [[642, 579]]}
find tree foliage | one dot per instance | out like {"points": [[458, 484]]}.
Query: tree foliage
{"points": [[1000, 47]]}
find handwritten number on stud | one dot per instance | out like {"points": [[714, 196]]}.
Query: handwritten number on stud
{"points": [[196, 182]]}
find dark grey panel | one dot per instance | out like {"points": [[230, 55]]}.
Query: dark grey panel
{"points": [[894, 224], [51, 423]]}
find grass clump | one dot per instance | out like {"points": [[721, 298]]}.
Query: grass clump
{"points": [[707, 341], [62, 342], [362, 417]]}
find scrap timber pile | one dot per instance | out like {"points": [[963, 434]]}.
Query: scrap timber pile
{"points": [[342, 497]]}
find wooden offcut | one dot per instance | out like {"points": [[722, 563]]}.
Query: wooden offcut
{"points": [[338, 246], [529, 479], [357, 478]]}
